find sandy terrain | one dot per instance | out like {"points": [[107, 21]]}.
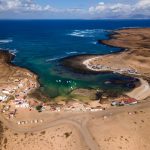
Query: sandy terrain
{"points": [[61, 137], [114, 128], [15, 80], [137, 53], [133, 61], [141, 92], [126, 130]]}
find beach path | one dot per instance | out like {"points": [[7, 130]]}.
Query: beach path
{"points": [[141, 92]]}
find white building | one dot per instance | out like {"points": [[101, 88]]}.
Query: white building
{"points": [[3, 98], [23, 105]]}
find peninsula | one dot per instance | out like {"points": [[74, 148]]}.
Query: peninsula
{"points": [[75, 125], [134, 60]]}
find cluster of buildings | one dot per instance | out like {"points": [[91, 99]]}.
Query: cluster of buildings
{"points": [[29, 122], [100, 67], [126, 70], [124, 101], [3, 97], [107, 68], [74, 107], [10, 113], [21, 103]]}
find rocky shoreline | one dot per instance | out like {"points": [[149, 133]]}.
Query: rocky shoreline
{"points": [[85, 64], [74, 63], [120, 39], [132, 60], [6, 57], [16, 82]]}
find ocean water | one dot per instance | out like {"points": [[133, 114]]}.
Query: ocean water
{"points": [[40, 44]]}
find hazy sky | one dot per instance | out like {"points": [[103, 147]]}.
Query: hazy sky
{"points": [[74, 9]]}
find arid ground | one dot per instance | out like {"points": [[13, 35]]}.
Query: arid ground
{"points": [[115, 128]]}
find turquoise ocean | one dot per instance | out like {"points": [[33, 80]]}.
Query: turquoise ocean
{"points": [[40, 44]]}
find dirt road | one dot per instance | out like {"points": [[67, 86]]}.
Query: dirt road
{"points": [[77, 121], [140, 92]]}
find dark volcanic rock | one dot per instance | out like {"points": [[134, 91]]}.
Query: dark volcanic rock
{"points": [[75, 64]]}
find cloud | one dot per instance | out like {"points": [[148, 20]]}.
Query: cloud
{"points": [[102, 7], [143, 6], [121, 10], [140, 9], [24, 6], [99, 8]]}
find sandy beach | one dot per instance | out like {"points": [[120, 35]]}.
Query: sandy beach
{"points": [[134, 60], [26, 123]]}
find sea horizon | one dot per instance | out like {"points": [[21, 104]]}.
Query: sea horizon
{"points": [[74, 75]]}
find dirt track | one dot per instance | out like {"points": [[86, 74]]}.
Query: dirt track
{"points": [[141, 92], [79, 121]]}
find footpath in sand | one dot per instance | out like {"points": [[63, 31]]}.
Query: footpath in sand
{"points": [[141, 92]]}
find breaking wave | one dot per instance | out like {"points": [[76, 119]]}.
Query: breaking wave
{"points": [[86, 33], [54, 59], [14, 51], [130, 27], [4, 41], [95, 42], [73, 52]]}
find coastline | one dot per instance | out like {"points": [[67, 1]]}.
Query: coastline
{"points": [[76, 62], [123, 38], [131, 60], [34, 93], [55, 129], [91, 63], [16, 82]]}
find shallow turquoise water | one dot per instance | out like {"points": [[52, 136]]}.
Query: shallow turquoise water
{"points": [[40, 44]]}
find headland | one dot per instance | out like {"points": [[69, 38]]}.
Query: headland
{"points": [[16, 82], [132, 60], [65, 125]]}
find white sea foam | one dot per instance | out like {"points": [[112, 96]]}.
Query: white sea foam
{"points": [[73, 52], [54, 58], [130, 27], [4, 41], [51, 59], [14, 51], [76, 34], [95, 42], [86, 33]]}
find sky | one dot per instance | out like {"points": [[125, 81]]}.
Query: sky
{"points": [[74, 9]]}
